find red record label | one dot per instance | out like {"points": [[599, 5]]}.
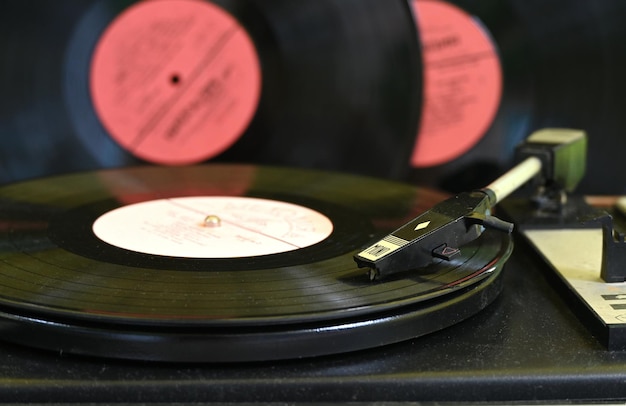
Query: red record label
{"points": [[462, 82], [175, 81]]}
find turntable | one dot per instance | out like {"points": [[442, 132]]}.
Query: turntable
{"points": [[110, 293], [86, 316]]}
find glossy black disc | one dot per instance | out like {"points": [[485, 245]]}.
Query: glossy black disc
{"points": [[100, 299]]}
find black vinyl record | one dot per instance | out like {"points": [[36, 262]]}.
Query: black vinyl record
{"points": [[562, 65], [78, 278], [326, 84]]}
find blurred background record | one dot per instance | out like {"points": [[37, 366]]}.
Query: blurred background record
{"points": [[494, 71], [320, 84], [330, 84]]}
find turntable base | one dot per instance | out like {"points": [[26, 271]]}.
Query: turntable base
{"points": [[527, 346]]}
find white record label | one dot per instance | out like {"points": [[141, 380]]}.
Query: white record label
{"points": [[212, 227]]}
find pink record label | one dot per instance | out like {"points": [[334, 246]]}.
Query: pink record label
{"points": [[175, 81], [462, 82]]}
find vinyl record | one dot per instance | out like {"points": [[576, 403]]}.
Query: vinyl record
{"points": [[102, 83], [222, 263], [561, 65]]}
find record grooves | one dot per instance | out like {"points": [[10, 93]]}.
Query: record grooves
{"points": [[244, 309]]}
